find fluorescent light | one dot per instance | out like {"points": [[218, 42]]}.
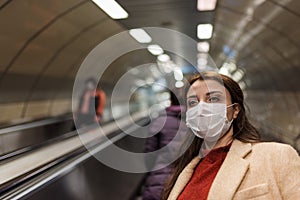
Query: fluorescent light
{"points": [[242, 85], [203, 47], [178, 74], [154, 70], [112, 8], [238, 75], [163, 58], [166, 67], [155, 49], [179, 84], [224, 71], [230, 66], [202, 60], [205, 5], [204, 31], [140, 35]]}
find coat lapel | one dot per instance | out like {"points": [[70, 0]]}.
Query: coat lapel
{"points": [[183, 179], [231, 172]]}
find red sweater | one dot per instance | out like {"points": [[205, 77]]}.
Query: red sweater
{"points": [[204, 175]]}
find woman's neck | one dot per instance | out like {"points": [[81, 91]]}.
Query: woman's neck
{"points": [[225, 139]]}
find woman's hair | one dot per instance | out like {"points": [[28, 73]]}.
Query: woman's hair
{"points": [[242, 128]]}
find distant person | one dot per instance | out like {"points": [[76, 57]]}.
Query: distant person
{"points": [[163, 129], [226, 159], [91, 104]]}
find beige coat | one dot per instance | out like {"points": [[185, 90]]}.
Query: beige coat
{"points": [[251, 171]]}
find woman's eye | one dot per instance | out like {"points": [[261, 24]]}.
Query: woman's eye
{"points": [[193, 103], [214, 99]]}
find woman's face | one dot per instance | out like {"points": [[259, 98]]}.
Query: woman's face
{"points": [[209, 91]]}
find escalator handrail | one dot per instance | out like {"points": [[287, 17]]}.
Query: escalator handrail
{"points": [[34, 124]]}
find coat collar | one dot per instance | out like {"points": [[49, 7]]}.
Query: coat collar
{"points": [[228, 178]]}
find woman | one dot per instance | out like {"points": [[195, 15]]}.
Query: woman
{"points": [[226, 160]]}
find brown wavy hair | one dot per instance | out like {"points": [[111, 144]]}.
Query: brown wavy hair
{"points": [[243, 130]]}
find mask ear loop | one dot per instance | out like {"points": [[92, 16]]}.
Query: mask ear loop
{"points": [[227, 121], [231, 105]]}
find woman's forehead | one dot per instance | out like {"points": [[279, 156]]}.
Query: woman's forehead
{"points": [[203, 87]]}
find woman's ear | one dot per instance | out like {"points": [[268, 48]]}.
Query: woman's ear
{"points": [[237, 109]]}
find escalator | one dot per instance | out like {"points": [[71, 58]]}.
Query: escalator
{"points": [[75, 173]]}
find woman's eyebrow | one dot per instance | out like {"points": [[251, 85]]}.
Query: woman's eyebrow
{"points": [[213, 92], [192, 96]]}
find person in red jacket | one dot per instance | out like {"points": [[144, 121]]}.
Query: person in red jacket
{"points": [[91, 104]]}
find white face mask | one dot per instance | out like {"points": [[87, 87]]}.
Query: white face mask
{"points": [[208, 120]]}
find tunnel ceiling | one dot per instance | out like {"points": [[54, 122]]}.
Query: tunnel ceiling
{"points": [[45, 40], [262, 34]]}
